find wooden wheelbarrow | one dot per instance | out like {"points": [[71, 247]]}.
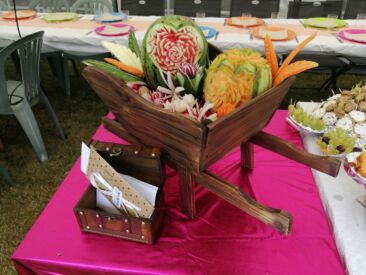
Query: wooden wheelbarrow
{"points": [[190, 147]]}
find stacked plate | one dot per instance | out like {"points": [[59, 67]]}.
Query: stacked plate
{"points": [[58, 17], [353, 35], [21, 15], [324, 23]]}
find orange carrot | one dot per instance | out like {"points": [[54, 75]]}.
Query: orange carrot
{"points": [[271, 56], [124, 67], [295, 51], [293, 69], [225, 109]]}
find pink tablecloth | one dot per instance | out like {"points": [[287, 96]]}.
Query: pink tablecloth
{"points": [[222, 240]]}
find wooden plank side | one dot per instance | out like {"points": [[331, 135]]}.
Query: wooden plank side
{"points": [[239, 126], [149, 124]]}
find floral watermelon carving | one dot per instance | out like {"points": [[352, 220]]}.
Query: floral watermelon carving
{"points": [[170, 42]]}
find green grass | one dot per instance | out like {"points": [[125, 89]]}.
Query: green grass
{"points": [[79, 115]]}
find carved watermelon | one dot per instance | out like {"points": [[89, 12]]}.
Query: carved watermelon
{"points": [[169, 42]]}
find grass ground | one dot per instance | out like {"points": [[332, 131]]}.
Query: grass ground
{"points": [[79, 115]]}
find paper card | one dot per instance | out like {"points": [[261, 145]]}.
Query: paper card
{"points": [[85, 154], [106, 205], [148, 191], [97, 164]]}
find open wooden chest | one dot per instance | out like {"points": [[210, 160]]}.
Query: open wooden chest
{"points": [[191, 147], [143, 163]]}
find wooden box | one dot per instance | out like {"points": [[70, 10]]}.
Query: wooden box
{"points": [[140, 162], [191, 147]]}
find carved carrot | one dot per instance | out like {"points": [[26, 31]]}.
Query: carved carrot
{"points": [[271, 56], [225, 109], [124, 67], [293, 69], [295, 51]]}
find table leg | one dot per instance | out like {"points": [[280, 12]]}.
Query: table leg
{"points": [[186, 187], [247, 155]]}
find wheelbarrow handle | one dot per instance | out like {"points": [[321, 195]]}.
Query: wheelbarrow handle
{"points": [[328, 165]]}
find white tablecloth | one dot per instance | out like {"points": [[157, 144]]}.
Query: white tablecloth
{"points": [[348, 217], [68, 39]]}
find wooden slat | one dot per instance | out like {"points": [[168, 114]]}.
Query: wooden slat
{"points": [[239, 126], [328, 165], [186, 188], [247, 155], [278, 219]]}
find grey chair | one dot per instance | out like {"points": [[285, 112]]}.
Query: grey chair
{"points": [[354, 7], [3, 6], [258, 8], [144, 7], [314, 9], [17, 97], [53, 56], [84, 7], [5, 174], [90, 6], [211, 8], [49, 5]]}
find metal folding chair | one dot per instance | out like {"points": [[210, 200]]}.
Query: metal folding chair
{"points": [[257, 8], [144, 7]]}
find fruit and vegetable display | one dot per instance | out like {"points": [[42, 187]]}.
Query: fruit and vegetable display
{"points": [[336, 142], [347, 111], [172, 70]]}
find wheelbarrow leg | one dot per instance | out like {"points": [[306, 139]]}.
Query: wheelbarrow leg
{"points": [[247, 155], [186, 187]]}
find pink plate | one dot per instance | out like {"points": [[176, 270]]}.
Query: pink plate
{"points": [[342, 35], [125, 29]]}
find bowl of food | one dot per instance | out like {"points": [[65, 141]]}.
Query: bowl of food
{"points": [[336, 143], [355, 166], [303, 121]]}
